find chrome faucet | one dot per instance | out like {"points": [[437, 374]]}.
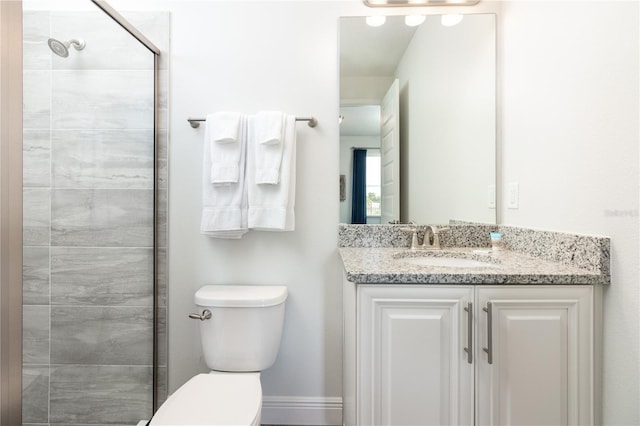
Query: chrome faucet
{"points": [[431, 239]]}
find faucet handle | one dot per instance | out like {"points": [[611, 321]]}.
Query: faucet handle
{"points": [[414, 237], [437, 229]]}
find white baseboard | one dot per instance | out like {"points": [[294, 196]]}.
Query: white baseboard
{"points": [[291, 410]]}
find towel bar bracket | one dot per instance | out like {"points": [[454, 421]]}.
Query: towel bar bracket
{"points": [[311, 121]]}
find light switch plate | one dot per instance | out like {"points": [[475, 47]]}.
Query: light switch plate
{"points": [[491, 195]]}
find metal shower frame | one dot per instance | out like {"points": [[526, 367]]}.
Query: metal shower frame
{"points": [[120, 20]]}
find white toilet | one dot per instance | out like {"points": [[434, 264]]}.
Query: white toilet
{"points": [[240, 330]]}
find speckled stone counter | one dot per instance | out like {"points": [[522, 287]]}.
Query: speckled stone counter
{"points": [[377, 254]]}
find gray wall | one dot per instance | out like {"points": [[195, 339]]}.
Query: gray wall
{"points": [[88, 222]]}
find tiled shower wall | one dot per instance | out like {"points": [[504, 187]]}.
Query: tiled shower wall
{"points": [[88, 221]]}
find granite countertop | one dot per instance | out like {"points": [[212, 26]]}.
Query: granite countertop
{"points": [[385, 265]]}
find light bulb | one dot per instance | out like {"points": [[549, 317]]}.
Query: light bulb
{"points": [[451, 20], [414, 20], [376, 21]]}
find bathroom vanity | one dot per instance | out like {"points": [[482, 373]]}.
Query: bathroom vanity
{"points": [[493, 338]]}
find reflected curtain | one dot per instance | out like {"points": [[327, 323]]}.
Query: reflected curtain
{"points": [[359, 189]]}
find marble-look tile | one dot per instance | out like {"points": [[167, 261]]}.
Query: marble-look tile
{"points": [[36, 26], [162, 344], [94, 394], [35, 334], [163, 99], [35, 394], [102, 158], [163, 159], [162, 386], [35, 217], [35, 275], [102, 276], [36, 94], [101, 335], [102, 99], [102, 217], [36, 158], [108, 46]]}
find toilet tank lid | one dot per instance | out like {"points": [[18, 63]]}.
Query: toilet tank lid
{"points": [[240, 296]]}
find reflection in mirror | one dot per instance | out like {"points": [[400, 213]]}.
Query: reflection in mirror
{"points": [[444, 119]]}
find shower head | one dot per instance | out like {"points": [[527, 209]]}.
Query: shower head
{"points": [[61, 48]]}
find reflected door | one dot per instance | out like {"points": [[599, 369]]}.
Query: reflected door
{"points": [[390, 154]]}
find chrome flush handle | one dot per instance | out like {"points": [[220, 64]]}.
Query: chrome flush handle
{"points": [[206, 314]]}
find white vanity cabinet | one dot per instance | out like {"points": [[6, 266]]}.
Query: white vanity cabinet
{"points": [[464, 355], [410, 370], [537, 360]]}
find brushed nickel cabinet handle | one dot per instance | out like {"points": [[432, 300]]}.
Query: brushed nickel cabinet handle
{"points": [[469, 348], [489, 348]]}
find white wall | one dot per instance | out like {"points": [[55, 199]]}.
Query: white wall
{"points": [[569, 84], [250, 57], [568, 133]]}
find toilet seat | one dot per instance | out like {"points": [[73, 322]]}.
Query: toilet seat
{"points": [[214, 399]]}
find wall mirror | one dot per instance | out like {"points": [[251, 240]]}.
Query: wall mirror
{"points": [[418, 96]]}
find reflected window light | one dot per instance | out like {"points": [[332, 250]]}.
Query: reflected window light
{"points": [[451, 20], [376, 21], [414, 20]]}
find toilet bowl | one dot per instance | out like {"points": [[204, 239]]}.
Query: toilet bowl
{"points": [[240, 331]]}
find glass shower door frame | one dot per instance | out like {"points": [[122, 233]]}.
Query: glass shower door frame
{"points": [[11, 220]]}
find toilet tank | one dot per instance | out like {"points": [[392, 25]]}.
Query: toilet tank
{"points": [[244, 331]]}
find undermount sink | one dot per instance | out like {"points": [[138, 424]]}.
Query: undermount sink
{"points": [[447, 260]]}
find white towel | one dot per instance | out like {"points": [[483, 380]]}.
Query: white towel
{"points": [[271, 207], [225, 147], [224, 205], [269, 127]]}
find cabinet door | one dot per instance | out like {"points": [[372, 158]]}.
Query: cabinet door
{"points": [[540, 341], [413, 369]]}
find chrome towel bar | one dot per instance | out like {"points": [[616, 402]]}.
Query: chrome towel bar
{"points": [[195, 122]]}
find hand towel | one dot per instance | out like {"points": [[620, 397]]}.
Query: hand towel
{"points": [[269, 131], [271, 207], [224, 205], [225, 147]]}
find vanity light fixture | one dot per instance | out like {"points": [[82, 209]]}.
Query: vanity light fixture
{"points": [[376, 20], [451, 20], [405, 3], [414, 20]]}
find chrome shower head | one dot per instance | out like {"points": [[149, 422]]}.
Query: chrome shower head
{"points": [[61, 48]]}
